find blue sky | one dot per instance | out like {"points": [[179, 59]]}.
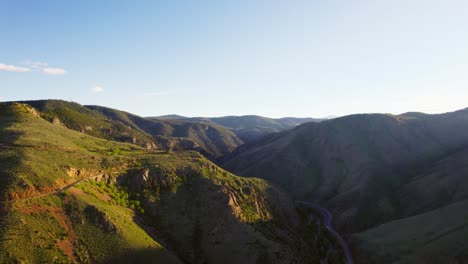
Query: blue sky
{"points": [[213, 58]]}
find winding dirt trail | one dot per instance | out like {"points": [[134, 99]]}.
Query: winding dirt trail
{"points": [[52, 192]]}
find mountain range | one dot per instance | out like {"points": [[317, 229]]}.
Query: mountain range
{"points": [[248, 127], [91, 184], [372, 170], [94, 185]]}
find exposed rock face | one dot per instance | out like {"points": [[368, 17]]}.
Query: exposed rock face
{"points": [[206, 214], [56, 121], [33, 111], [150, 145], [154, 178]]}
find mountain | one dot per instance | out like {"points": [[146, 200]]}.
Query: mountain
{"points": [[67, 196], [248, 127], [437, 197], [437, 236], [174, 117], [212, 140], [396, 183], [368, 169]]}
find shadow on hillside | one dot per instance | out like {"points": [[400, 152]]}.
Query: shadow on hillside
{"points": [[9, 154], [144, 256], [9, 160], [195, 220]]}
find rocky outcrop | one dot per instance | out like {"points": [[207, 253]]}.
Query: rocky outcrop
{"points": [[56, 121]]}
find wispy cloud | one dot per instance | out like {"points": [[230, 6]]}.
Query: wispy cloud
{"points": [[97, 89], [12, 68], [33, 66], [1, 98], [54, 71]]}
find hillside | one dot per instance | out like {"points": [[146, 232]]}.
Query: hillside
{"points": [[212, 140], [398, 183], [86, 120], [248, 127], [436, 196], [70, 197], [355, 165], [437, 236]]}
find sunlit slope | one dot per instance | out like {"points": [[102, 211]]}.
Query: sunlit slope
{"points": [[41, 225], [90, 122], [212, 140], [68, 196]]}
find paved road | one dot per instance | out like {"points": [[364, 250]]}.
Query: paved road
{"points": [[327, 220]]}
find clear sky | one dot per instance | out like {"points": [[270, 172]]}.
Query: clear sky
{"points": [[232, 57]]}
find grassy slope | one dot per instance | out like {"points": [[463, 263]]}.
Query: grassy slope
{"points": [[212, 140], [202, 212], [438, 236], [94, 123], [45, 153]]}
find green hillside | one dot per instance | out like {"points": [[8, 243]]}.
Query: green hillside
{"points": [[212, 140], [70, 197], [77, 117]]}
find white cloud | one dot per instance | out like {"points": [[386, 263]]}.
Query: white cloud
{"points": [[35, 66], [12, 68], [97, 89], [1, 98], [54, 71]]}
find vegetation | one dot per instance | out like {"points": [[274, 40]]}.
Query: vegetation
{"points": [[212, 140], [73, 197]]}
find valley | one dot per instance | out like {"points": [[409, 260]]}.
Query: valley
{"points": [[93, 184], [85, 198]]}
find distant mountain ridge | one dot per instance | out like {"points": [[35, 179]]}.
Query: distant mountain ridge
{"points": [[247, 127]]}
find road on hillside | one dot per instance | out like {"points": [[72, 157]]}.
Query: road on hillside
{"points": [[327, 220], [52, 192]]}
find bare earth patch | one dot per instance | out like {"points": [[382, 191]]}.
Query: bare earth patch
{"points": [[67, 244]]}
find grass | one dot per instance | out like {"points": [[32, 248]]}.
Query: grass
{"points": [[201, 211], [111, 124], [42, 153]]}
